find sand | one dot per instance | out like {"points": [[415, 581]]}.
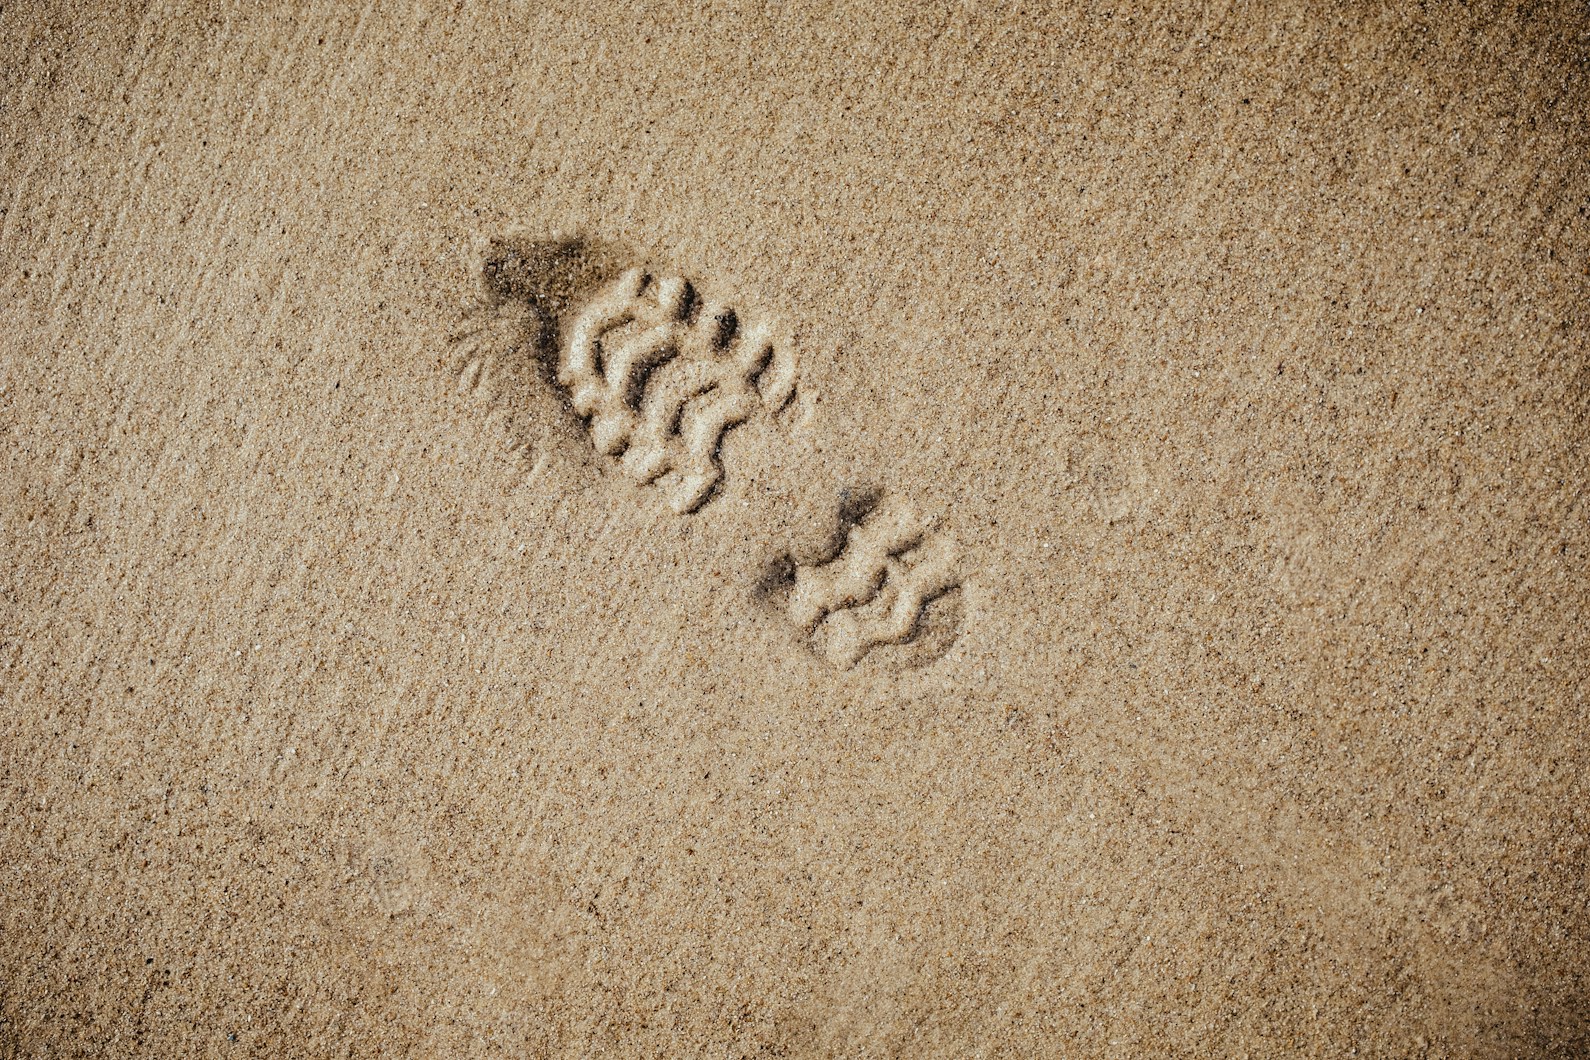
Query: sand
{"points": [[709, 530]]}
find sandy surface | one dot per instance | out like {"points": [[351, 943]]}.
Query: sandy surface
{"points": [[1201, 393]]}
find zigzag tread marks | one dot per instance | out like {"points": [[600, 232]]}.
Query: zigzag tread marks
{"points": [[662, 377], [876, 590], [910, 590]]}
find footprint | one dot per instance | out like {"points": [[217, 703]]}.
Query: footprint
{"points": [[883, 584], [658, 374], [662, 375], [576, 352]]}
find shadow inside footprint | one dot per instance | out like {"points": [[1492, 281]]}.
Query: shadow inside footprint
{"points": [[548, 276], [823, 542], [504, 351], [816, 540]]}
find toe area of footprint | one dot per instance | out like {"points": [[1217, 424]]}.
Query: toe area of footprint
{"points": [[657, 373]]}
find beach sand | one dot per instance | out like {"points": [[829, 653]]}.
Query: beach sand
{"points": [[712, 530]]}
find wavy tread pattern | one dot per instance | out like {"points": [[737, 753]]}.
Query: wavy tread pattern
{"points": [[662, 377], [875, 591], [656, 377]]}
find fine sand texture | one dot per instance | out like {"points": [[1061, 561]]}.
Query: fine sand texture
{"points": [[737, 530]]}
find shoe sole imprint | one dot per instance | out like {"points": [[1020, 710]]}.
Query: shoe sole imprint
{"points": [[873, 588], [662, 376], [659, 376]]}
